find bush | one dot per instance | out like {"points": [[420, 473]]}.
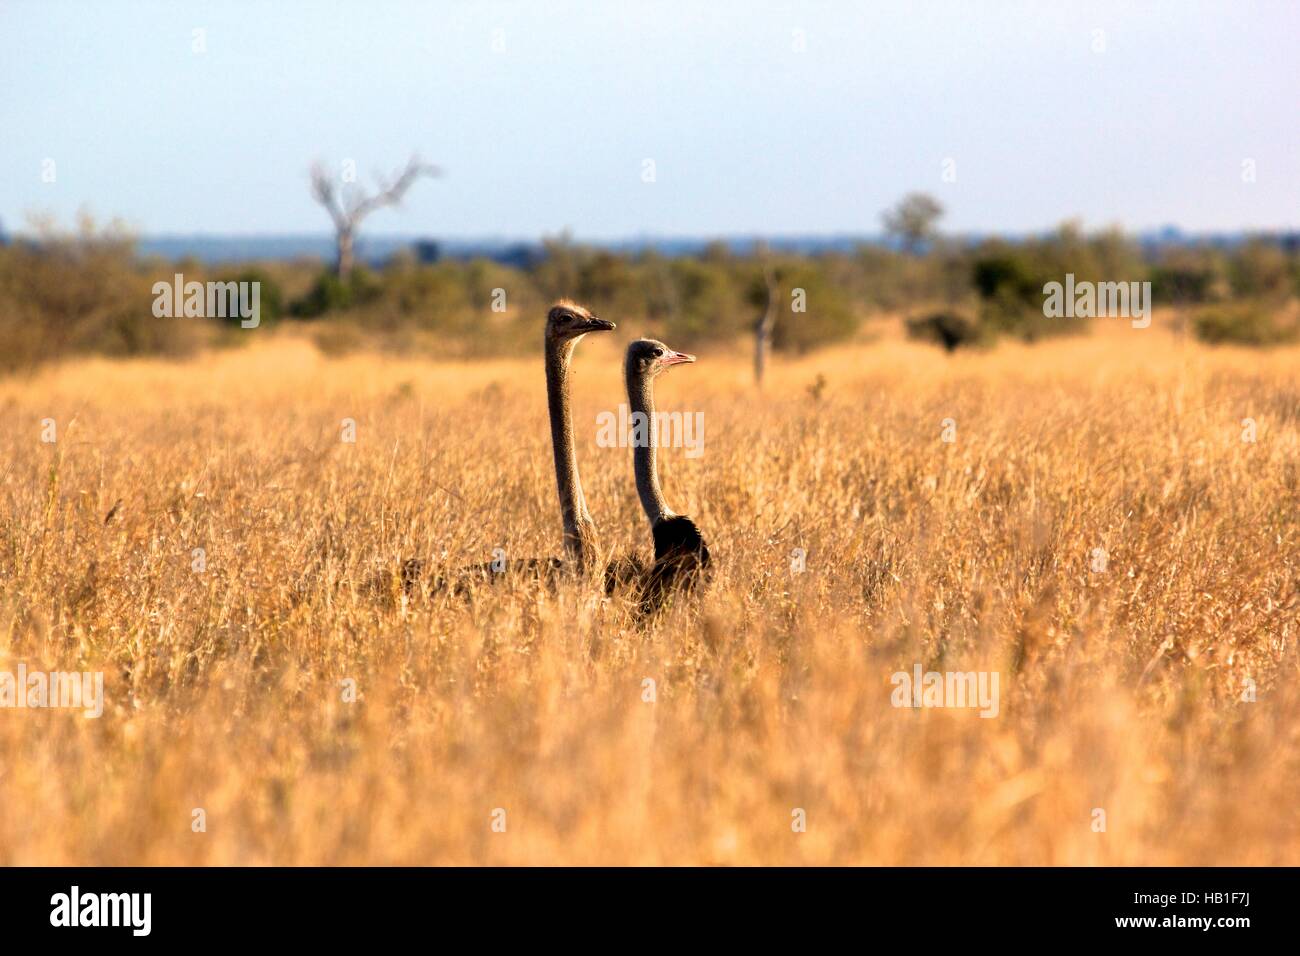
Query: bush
{"points": [[429, 297], [705, 303], [1010, 285], [331, 294], [827, 315], [950, 329], [1011, 315], [1246, 323], [1007, 277], [1260, 269], [1189, 276], [83, 293], [270, 297], [88, 293]]}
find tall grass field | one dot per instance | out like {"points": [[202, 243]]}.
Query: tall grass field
{"points": [[1110, 524]]}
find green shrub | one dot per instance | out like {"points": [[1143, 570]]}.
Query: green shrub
{"points": [[825, 315], [1246, 323], [1187, 282], [89, 293], [705, 302], [1006, 277], [950, 329], [84, 293], [1010, 285], [331, 294], [1261, 269], [270, 297]]}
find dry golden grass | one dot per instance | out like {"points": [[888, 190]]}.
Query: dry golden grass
{"points": [[1120, 690]]}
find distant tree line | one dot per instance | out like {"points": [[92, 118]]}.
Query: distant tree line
{"points": [[89, 293]]}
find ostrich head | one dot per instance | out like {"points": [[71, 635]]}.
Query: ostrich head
{"points": [[647, 358], [569, 321]]}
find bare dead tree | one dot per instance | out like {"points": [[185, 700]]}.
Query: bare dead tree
{"points": [[767, 321], [348, 207]]}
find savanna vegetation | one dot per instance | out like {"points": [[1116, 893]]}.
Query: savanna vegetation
{"points": [[1113, 527], [214, 518], [86, 292]]}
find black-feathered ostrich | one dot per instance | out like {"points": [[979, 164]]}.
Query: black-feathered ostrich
{"points": [[681, 556]]}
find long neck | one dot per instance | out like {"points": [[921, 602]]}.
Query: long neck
{"points": [[641, 398], [579, 529]]}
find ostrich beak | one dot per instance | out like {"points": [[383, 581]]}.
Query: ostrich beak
{"points": [[676, 358], [593, 324]]}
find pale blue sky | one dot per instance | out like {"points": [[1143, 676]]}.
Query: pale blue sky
{"points": [[748, 134]]}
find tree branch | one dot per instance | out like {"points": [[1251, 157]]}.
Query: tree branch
{"points": [[391, 194], [322, 190]]}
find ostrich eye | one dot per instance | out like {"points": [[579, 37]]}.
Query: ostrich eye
{"points": [[659, 353]]}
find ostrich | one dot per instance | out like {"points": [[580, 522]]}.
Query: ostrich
{"points": [[681, 555], [566, 324]]}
